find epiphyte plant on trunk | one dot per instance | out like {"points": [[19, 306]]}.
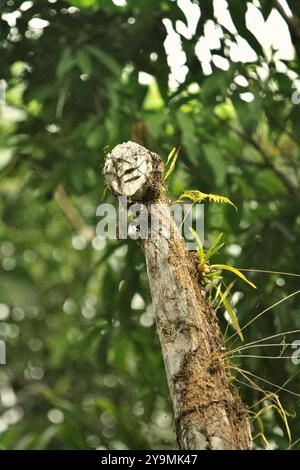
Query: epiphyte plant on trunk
{"points": [[210, 274]]}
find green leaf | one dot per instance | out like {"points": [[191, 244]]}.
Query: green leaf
{"points": [[225, 294], [84, 62], [153, 100], [200, 249], [198, 196], [249, 114], [214, 247], [235, 271], [215, 250], [238, 11], [172, 159], [218, 291], [67, 61], [189, 138], [171, 155], [217, 162], [106, 60], [233, 318]]}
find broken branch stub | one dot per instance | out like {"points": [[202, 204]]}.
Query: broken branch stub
{"points": [[131, 170], [208, 412]]}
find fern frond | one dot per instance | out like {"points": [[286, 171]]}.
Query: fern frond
{"points": [[198, 196]]}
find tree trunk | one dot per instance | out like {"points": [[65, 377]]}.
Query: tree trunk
{"points": [[208, 411]]}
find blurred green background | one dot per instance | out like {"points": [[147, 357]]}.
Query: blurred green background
{"points": [[84, 367]]}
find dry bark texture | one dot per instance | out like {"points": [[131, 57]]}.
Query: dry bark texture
{"points": [[208, 412]]}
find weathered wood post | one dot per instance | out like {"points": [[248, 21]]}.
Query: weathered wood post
{"points": [[208, 412]]}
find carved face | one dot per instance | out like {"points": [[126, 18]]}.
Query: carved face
{"points": [[128, 170]]}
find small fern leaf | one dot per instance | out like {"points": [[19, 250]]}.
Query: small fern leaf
{"points": [[198, 196]]}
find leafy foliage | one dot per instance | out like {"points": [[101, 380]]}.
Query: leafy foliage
{"points": [[210, 276]]}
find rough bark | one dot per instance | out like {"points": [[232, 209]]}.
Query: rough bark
{"points": [[208, 411]]}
